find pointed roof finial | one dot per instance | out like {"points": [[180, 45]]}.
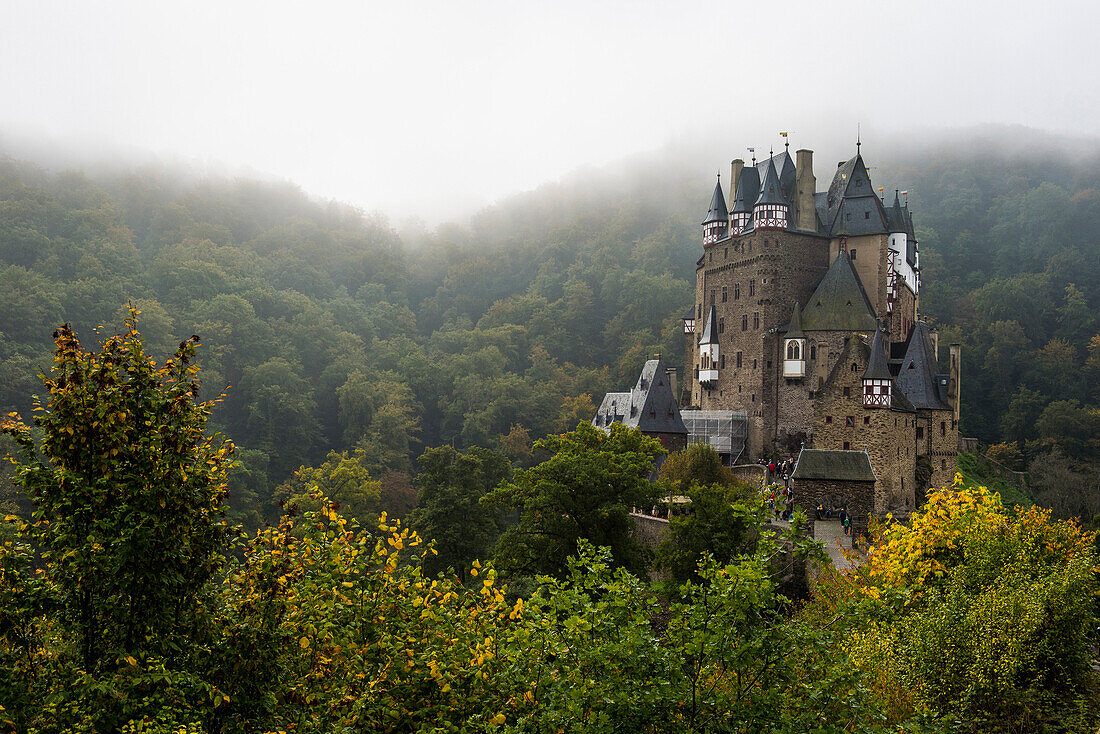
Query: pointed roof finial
{"points": [[859, 137]]}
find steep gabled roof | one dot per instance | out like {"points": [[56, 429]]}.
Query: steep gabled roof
{"points": [[770, 190], [710, 331], [717, 211], [794, 328], [851, 203], [650, 406], [877, 368], [748, 190], [840, 466], [918, 378], [658, 411], [839, 303]]}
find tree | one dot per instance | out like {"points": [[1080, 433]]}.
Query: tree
{"points": [[699, 464], [721, 523], [343, 479], [449, 512], [586, 489], [128, 490]]}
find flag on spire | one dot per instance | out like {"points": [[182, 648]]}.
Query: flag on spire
{"points": [[783, 135]]}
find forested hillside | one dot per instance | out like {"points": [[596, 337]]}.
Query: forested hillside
{"points": [[327, 332]]}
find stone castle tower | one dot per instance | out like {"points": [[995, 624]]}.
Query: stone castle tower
{"points": [[806, 318]]}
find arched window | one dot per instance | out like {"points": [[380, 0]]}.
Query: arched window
{"points": [[793, 352]]}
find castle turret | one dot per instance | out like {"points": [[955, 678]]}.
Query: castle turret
{"points": [[877, 380], [745, 195], [716, 225], [708, 351], [794, 347], [771, 208]]}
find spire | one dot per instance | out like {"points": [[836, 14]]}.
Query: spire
{"points": [[877, 368], [717, 211], [859, 140], [710, 331], [770, 192], [794, 329]]}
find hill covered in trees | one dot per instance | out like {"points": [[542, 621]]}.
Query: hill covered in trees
{"points": [[328, 332]]}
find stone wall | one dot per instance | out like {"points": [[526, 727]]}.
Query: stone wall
{"points": [[764, 274], [649, 531], [794, 404], [871, 262], [942, 441], [904, 313], [888, 435], [858, 498]]}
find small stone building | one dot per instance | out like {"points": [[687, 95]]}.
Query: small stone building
{"points": [[836, 479], [650, 407]]}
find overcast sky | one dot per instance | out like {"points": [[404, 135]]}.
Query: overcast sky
{"points": [[435, 107]]}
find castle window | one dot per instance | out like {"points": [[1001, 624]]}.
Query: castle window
{"points": [[866, 215], [724, 294], [710, 257], [866, 420], [943, 428], [736, 291], [920, 432], [756, 320], [745, 322], [752, 287], [722, 362], [721, 326], [712, 295], [854, 367], [943, 463], [754, 397], [849, 421], [852, 254], [828, 419], [739, 360], [813, 351], [699, 311], [847, 391], [727, 255], [652, 414], [847, 446], [754, 364], [793, 352]]}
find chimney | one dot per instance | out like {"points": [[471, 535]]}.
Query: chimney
{"points": [[671, 374], [953, 379], [805, 211], [735, 178]]}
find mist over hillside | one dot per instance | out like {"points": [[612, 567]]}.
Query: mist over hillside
{"points": [[331, 331]]}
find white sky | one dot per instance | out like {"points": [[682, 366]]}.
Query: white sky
{"points": [[433, 107]]}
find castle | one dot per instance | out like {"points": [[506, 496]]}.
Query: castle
{"points": [[808, 304]]}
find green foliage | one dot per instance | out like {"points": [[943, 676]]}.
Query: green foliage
{"points": [[343, 479], [722, 524], [584, 490], [452, 484], [976, 616], [128, 491]]}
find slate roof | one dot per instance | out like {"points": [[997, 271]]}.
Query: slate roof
{"points": [[794, 328], [839, 303], [843, 466], [717, 211], [770, 190], [710, 331], [690, 313], [650, 406], [851, 205], [748, 190], [917, 377], [877, 368]]}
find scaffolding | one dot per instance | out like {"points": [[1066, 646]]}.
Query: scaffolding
{"points": [[725, 430]]}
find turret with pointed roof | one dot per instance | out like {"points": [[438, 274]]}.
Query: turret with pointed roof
{"points": [[716, 224], [878, 383], [771, 207]]}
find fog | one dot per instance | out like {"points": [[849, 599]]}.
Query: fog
{"points": [[429, 110]]}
